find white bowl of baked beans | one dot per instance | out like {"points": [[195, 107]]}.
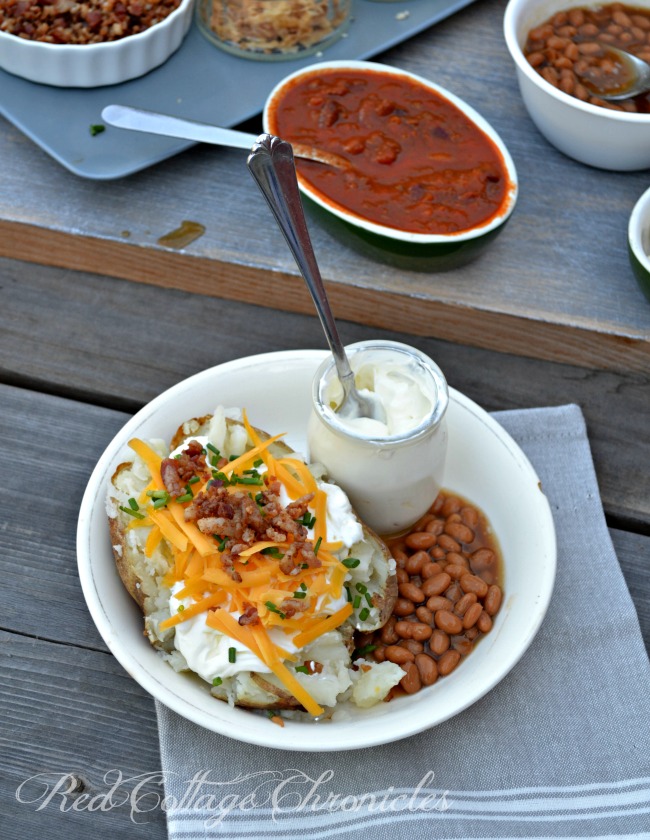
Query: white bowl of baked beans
{"points": [[560, 50], [90, 43]]}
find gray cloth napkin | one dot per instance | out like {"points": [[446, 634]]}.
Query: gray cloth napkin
{"points": [[559, 748]]}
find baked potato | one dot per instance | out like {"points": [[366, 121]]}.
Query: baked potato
{"points": [[250, 568]]}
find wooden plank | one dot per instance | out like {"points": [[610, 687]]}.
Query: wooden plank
{"points": [[71, 716], [556, 285], [145, 339]]}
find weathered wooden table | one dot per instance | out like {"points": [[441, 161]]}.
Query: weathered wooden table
{"points": [[550, 315]]}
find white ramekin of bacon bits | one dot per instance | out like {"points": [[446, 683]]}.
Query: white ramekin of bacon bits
{"points": [[92, 42]]}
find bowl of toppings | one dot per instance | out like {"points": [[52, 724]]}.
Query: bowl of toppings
{"points": [[638, 239], [271, 612], [565, 65], [89, 44], [423, 180]]}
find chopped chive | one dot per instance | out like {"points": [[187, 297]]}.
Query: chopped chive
{"points": [[96, 128], [259, 498], [136, 513], [223, 541], [158, 494], [349, 594], [363, 615], [247, 479], [133, 504], [357, 602], [303, 586], [194, 479], [361, 587], [160, 503], [221, 476], [217, 681], [233, 457], [232, 654], [272, 608], [251, 472], [187, 497], [176, 457], [272, 551], [304, 566], [303, 669], [188, 489], [368, 598], [204, 451], [213, 449], [258, 463], [299, 594], [351, 562], [317, 546]]}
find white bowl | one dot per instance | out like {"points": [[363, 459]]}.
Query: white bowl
{"points": [[591, 134], [94, 65], [428, 251], [484, 464], [638, 241]]}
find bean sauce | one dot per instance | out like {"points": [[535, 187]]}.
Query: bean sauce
{"points": [[446, 605], [570, 51]]}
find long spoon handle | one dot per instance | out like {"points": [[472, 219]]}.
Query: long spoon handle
{"points": [[272, 165]]}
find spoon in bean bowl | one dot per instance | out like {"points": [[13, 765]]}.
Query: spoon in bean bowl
{"points": [[630, 77]]}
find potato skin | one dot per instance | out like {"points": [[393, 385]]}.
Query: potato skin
{"points": [[137, 585]]}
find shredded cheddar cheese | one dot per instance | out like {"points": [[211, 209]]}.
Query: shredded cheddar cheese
{"points": [[294, 602]]}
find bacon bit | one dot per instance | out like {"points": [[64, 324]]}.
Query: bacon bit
{"points": [[176, 472], [249, 616], [277, 720], [366, 668], [313, 667]]}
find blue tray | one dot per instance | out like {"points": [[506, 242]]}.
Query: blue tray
{"points": [[199, 81]]}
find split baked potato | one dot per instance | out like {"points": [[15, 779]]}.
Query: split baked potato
{"points": [[288, 576]]}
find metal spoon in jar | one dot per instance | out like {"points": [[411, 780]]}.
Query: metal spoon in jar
{"points": [[271, 164], [151, 122], [637, 81]]}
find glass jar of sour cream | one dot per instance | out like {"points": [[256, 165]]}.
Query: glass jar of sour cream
{"points": [[393, 470]]}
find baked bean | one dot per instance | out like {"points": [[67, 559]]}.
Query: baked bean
{"points": [[427, 667], [576, 17], [541, 33], [439, 642], [437, 602], [557, 43], [398, 655], [484, 622], [412, 645], [472, 633], [456, 559], [429, 570], [588, 30], [448, 543], [436, 526], [403, 606], [572, 52], [415, 562], [567, 84], [462, 644], [641, 21], [472, 615], [438, 553], [472, 583], [621, 18], [413, 630], [421, 540], [447, 662], [402, 576], [492, 600], [455, 572], [388, 633], [379, 653], [454, 592], [536, 59], [424, 615], [413, 593], [459, 532], [567, 32], [563, 64], [400, 556], [411, 682], [436, 584], [448, 622], [423, 521], [450, 505], [463, 604]]}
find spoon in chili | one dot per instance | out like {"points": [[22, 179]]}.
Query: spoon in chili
{"points": [[151, 122], [272, 166], [636, 77]]}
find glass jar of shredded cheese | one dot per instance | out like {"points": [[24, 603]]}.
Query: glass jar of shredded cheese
{"points": [[273, 29], [392, 469]]}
